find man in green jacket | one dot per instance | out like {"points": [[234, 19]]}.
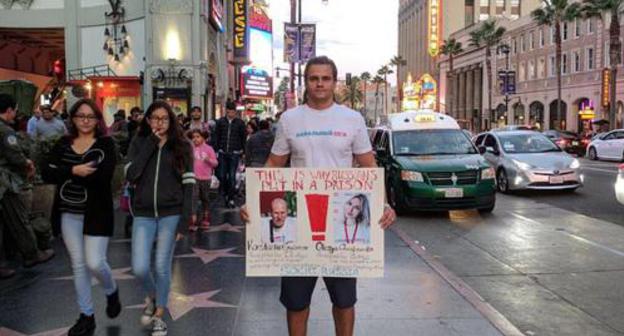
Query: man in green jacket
{"points": [[15, 169]]}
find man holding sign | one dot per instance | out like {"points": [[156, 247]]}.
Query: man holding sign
{"points": [[321, 134]]}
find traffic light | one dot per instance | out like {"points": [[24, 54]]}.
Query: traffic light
{"points": [[58, 68], [348, 78]]}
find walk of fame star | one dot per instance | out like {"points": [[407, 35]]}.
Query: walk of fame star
{"points": [[180, 304], [208, 256], [55, 332], [118, 274]]}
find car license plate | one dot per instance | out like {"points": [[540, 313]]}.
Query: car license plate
{"points": [[454, 193], [575, 143], [556, 180]]}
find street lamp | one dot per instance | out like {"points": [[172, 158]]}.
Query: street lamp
{"points": [[505, 49]]}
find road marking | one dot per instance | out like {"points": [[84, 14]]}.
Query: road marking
{"points": [[576, 237]]}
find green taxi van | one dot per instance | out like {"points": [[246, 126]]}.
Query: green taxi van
{"points": [[431, 165]]}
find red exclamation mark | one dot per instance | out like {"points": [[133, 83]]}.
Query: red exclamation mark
{"points": [[317, 212]]}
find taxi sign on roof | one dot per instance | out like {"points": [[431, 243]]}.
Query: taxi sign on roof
{"points": [[421, 119]]}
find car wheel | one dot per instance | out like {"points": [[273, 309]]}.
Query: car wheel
{"points": [[502, 182], [592, 154], [489, 209], [394, 202]]}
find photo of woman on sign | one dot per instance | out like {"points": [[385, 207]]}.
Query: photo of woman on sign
{"points": [[352, 221]]}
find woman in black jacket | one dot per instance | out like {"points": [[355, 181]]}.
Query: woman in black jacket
{"points": [[160, 168], [82, 165]]}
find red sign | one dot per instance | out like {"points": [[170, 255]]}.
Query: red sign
{"points": [[259, 19], [606, 82]]}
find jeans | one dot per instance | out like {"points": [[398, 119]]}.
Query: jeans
{"points": [[88, 257], [226, 173], [144, 231]]}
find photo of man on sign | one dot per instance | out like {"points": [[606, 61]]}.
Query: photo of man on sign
{"points": [[278, 221]]}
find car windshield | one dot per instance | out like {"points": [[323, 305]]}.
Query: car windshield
{"points": [[527, 143], [432, 142]]}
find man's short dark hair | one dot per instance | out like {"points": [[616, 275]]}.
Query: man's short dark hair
{"points": [[230, 105], [6, 102], [196, 108], [263, 125], [321, 60]]}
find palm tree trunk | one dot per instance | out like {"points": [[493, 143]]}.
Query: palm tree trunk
{"points": [[558, 65], [386, 95], [614, 58], [376, 101], [451, 84], [488, 64], [365, 96]]}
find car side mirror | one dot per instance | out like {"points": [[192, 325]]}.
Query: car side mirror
{"points": [[492, 150], [482, 150]]}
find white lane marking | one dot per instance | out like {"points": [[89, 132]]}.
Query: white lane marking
{"points": [[572, 235]]}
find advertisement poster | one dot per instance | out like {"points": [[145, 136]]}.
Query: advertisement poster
{"points": [[308, 42], [291, 44], [315, 222]]}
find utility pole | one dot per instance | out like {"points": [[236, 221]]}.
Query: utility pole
{"points": [[299, 29], [293, 20]]}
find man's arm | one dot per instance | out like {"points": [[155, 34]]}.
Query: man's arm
{"points": [[276, 161], [366, 160]]}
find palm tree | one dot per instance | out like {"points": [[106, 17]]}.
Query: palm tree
{"points": [[450, 48], [487, 35], [377, 80], [352, 92], [553, 13], [384, 71], [365, 77], [397, 62], [596, 8]]}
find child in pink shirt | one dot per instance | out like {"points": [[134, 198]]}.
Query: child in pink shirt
{"points": [[205, 162]]}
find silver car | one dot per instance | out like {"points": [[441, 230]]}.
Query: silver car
{"points": [[529, 160]]}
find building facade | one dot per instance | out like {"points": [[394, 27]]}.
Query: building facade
{"points": [[419, 27], [585, 56], [123, 53]]}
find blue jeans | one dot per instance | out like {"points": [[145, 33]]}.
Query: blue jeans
{"points": [[144, 231], [226, 173], [88, 256]]}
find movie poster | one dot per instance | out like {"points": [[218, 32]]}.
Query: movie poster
{"points": [[315, 222]]}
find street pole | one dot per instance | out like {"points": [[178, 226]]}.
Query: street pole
{"points": [[293, 20], [506, 51], [299, 28]]}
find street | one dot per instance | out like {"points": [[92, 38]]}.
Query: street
{"points": [[551, 263]]}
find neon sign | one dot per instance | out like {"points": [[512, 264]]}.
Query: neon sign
{"points": [[433, 42]]}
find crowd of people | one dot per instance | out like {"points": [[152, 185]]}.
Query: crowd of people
{"points": [[169, 163]]}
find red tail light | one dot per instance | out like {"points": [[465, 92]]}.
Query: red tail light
{"points": [[561, 142], [621, 167]]}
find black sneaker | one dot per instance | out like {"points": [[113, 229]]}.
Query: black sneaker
{"points": [[83, 327], [159, 327], [113, 306], [6, 273]]}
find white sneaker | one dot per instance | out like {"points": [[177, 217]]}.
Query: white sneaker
{"points": [[148, 312], [159, 327]]}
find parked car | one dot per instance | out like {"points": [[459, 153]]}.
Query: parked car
{"points": [[619, 185], [568, 141], [529, 160], [607, 146], [514, 128]]}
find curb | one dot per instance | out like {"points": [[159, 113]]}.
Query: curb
{"points": [[500, 322]]}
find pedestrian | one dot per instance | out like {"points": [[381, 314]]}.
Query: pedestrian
{"points": [[49, 127], [32, 122], [251, 128], [259, 146], [82, 165], [196, 122], [302, 137], [205, 160], [230, 138], [160, 167], [15, 171]]}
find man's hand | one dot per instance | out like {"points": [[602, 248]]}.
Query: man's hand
{"points": [[179, 237], [244, 214], [30, 169], [388, 217], [83, 170]]}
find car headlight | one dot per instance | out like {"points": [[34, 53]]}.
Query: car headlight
{"points": [[411, 176], [488, 174], [522, 165], [575, 164]]}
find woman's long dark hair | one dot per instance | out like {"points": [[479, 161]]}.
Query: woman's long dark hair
{"points": [[364, 216], [100, 128], [175, 135]]}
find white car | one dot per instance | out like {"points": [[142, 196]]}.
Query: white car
{"points": [[607, 146], [619, 185]]}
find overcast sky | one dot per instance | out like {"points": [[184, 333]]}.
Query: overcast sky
{"points": [[359, 35]]}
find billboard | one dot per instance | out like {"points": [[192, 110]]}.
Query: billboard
{"points": [[256, 84], [256, 79]]}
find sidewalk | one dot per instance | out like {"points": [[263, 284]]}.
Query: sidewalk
{"points": [[212, 296]]}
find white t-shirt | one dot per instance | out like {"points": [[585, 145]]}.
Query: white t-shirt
{"points": [[285, 234], [321, 138]]}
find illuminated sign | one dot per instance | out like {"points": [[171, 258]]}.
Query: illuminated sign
{"points": [[606, 80], [256, 84], [433, 41], [259, 18], [421, 94], [241, 32], [587, 111], [425, 118], [212, 10]]}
